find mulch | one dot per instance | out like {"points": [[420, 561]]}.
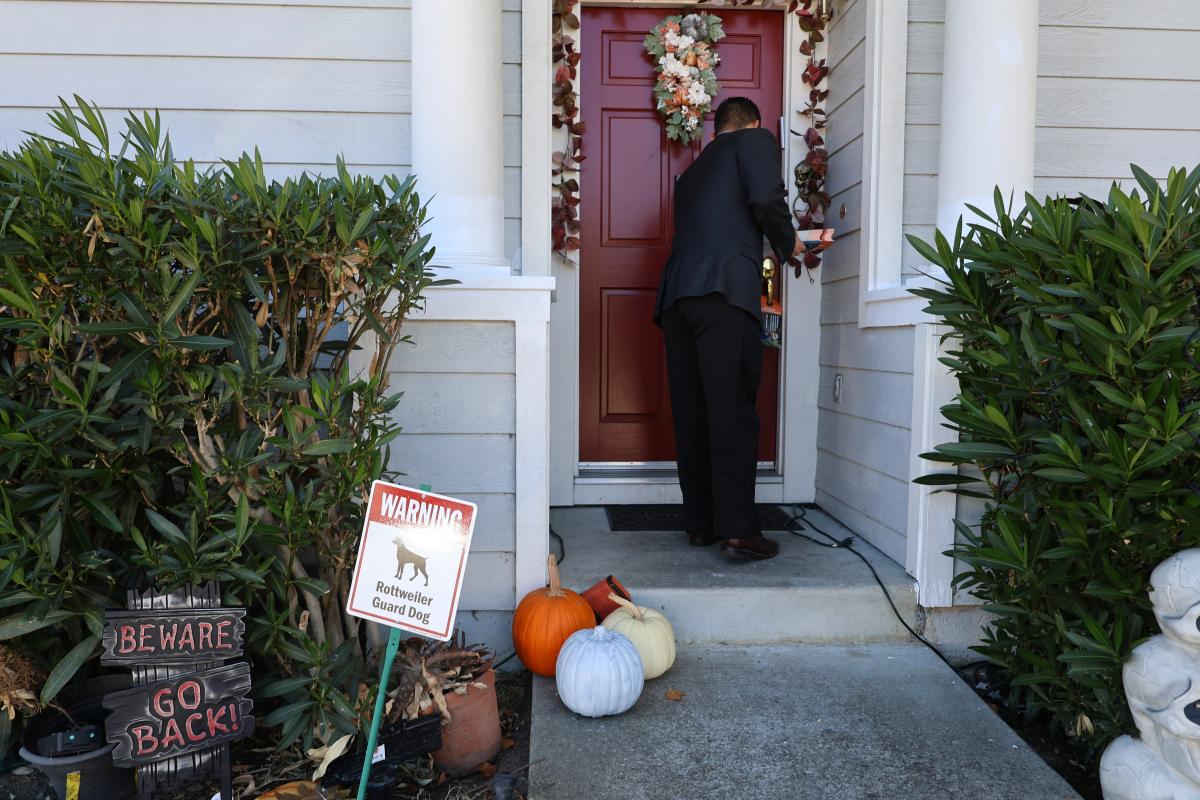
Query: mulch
{"points": [[256, 758]]}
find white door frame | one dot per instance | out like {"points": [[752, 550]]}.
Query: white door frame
{"points": [[799, 368]]}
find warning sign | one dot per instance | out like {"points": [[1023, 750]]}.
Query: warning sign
{"points": [[411, 559]]}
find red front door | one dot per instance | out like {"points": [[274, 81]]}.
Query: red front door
{"points": [[627, 186]]}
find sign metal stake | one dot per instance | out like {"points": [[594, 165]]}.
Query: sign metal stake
{"points": [[389, 656]]}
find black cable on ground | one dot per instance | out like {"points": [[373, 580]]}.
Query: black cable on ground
{"points": [[800, 522], [562, 546]]}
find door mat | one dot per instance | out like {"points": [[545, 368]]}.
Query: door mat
{"points": [[670, 518]]}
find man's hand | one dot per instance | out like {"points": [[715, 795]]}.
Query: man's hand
{"points": [[800, 247]]}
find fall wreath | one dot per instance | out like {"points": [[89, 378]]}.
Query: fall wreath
{"points": [[683, 48]]}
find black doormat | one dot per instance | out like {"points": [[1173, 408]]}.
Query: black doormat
{"points": [[670, 518]]}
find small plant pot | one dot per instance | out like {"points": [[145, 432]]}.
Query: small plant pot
{"points": [[473, 734], [597, 596], [98, 778]]}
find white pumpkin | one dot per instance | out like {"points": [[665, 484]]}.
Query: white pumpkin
{"points": [[598, 673], [649, 631]]}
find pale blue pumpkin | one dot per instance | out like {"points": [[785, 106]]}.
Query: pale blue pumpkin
{"points": [[599, 673]]}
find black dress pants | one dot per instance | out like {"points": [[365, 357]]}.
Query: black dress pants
{"points": [[714, 366]]}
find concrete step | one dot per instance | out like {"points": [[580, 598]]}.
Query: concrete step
{"points": [[790, 722], [806, 594]]}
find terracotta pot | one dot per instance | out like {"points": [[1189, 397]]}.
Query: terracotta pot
{"points": [[597, 596], [473, 734]]}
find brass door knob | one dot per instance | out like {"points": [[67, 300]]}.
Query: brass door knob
{"points": [[768, 273]]}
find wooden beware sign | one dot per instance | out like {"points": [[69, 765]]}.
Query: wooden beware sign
{"points": [[185, 707], [411, 560], [197, 710], [173, 637]]}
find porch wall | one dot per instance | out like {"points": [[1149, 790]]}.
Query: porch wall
{"points": [[1117, 84], [862, 441], [303, 80], [475, 425]]}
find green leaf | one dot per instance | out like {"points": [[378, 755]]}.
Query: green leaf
{"points": [[944, 479], [16, 301], [202, 342], [327, 447], [285, 686], [164, 526], [1061, 475], [111, 328], [287, 712], [23, 623], [972, 451], [66, 668], [102, 512], [182, 296]]}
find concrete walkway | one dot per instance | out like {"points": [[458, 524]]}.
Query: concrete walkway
{"points": [[800, 685], [790, 722]]}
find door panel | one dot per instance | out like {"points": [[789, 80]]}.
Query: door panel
{"points": [[627, 186]]}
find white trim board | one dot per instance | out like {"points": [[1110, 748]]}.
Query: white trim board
{"points": [[931, 513], [880, 265], [536, 136]]}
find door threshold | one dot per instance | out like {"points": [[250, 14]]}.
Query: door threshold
{"points": [[598, 487], [597, 474]]}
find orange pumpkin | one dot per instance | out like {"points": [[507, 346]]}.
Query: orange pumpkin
{"points": [[543, 621]]}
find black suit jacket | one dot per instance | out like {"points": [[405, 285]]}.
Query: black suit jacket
{"points": [[725, 202]]}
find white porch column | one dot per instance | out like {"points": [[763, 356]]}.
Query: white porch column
{"points": [[989, 85], [458, 130]]}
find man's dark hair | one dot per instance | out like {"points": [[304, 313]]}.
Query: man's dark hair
{"points": [[735, 113]]}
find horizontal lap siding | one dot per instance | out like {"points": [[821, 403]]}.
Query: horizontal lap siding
{"points": [[304, 81], [863, 441], [1116, 85], [458, 415]]}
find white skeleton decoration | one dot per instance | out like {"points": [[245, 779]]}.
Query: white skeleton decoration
{"points": [[1162, 684]]}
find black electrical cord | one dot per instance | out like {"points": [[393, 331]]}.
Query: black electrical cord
{"points": [[800, 522], [562, 546]]}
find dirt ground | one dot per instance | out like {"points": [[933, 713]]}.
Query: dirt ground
{"points": [[423, 780]]}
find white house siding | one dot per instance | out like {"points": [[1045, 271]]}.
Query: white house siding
{"points": [[459, 418], [863, 441], [1117, 84], [304, 80]]}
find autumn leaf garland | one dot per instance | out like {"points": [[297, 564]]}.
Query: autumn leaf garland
{"points": [[564, 208]]}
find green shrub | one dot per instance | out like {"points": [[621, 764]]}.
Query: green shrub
{"points": [[1075, 343], [193, 385]]}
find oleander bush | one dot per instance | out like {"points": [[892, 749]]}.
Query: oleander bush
{"points": [[1074, 336], [193, 385]]}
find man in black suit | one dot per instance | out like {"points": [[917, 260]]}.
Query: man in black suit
{"points": [[709, 309]]}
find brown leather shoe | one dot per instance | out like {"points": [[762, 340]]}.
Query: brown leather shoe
{"points": [[759, 548], [703, 540]]}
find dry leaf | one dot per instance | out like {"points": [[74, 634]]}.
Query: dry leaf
{"points": [[303, 621], [487, 769], [506, 743], [333, 751], [442, 778], [297, 790], [675, 694]]}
